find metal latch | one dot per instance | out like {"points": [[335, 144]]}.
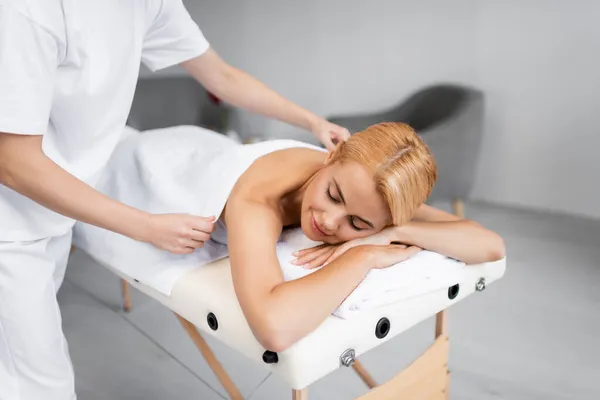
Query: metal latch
{"points": [[480, 285], [347, 357]]}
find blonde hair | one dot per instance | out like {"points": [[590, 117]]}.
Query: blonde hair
{"points": [[401, 164]]}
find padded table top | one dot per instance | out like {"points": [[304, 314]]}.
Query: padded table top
{"points": [[206, 294]]}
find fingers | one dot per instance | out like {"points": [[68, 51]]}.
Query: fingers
{"points": [[412, 250], [182, 250], [320, 260], [198, 232], [307, 256], [202, 224], [329, 144], [179, 233], [191, 243], [199, 236], [310, 250], [343, 134]]}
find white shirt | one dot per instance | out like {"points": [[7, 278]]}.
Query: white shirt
{"points": [[68, 70]]}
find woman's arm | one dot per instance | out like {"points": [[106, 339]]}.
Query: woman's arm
{"points": [[278, 312], [447, 234], [431, 229]]}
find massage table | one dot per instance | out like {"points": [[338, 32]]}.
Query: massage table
{"points": [[205, 303], [143, 175]]}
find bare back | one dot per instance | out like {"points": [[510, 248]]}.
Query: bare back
{"points": [[273, 177], [255, 215]]}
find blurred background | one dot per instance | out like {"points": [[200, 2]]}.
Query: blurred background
{"points": [[537, 63], [521, 77]]}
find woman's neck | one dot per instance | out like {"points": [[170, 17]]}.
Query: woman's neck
{"points": [[291, 204]]}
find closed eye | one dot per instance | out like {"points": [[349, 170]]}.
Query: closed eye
{"points": [[352, 220], [331, 197]]}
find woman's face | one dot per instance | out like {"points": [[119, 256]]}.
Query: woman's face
{"points": [[341, 204]]}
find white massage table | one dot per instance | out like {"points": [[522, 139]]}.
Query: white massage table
{"points": [[204, 301]]}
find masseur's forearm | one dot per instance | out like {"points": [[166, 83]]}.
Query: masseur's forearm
{"points": [[300, 306], [28, 171], [241, 90], [462, 240]]}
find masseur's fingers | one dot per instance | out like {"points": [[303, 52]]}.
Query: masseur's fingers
{"points": [[201, 224], [330, 134], [199, 236], [183, 250], [190, 243], [178, 233]]}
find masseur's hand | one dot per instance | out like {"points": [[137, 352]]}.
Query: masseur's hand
{"points": [[329, 133], [324, 254], [178, 233]]}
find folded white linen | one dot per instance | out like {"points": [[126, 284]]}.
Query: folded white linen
{"points": [[190, 169]]}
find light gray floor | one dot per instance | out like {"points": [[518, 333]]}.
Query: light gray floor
{"points": [[532, 335]]}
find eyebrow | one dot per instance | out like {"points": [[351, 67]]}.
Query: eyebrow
{"points": [[337, 187]]}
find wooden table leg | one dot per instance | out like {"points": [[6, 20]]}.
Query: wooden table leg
{"points": [[364, 375], [212, 361], [440, 323], [300, 394], [126, 296]]}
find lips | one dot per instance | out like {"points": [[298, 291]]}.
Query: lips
{"points": [[316, 227]]}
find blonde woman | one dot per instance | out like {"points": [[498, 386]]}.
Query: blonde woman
{"points": [[364, 201]]}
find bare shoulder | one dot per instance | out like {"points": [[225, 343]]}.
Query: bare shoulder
{"points": [[277, 173]]}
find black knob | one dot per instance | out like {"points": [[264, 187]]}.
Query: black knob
{"points": [[382, 328], [453, 291], [212, 321], [270, 357]]}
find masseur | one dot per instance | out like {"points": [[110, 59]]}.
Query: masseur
{"points": [[68, 72]]}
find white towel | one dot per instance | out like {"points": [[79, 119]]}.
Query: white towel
{"points": [[423, 273], [192, 170], [183, 169]]}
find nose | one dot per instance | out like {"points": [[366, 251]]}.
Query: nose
{"points": [[331, 221]]}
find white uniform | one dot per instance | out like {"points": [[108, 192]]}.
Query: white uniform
{"points": [[68, 70]]}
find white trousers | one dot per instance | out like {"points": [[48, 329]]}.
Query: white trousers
{"points": [[34, 357]]}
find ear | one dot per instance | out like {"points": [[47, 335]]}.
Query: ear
{"points": [[333, 152], [329, 156]]}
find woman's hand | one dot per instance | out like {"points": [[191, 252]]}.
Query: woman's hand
{"points": [[178, 233], [377, 257], [321, 255]]}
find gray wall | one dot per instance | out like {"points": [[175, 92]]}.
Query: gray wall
{"points": [[538, 62]]}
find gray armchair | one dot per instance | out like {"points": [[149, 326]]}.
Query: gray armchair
{"points": [[449, 118], [169, 101]]}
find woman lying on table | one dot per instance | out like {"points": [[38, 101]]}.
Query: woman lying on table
{"points": [[364, 201]]}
